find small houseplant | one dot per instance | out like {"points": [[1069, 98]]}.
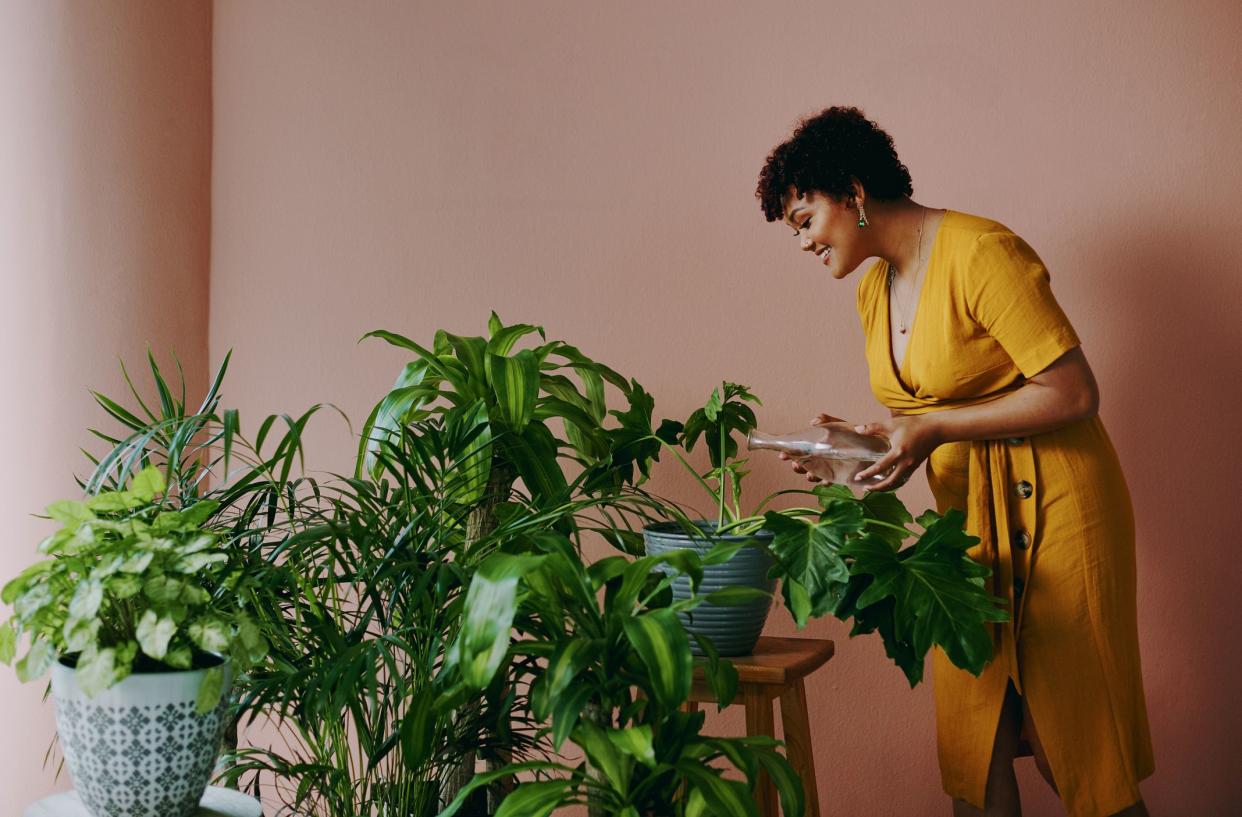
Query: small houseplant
{"points": [[140, 616], [843, 557]]}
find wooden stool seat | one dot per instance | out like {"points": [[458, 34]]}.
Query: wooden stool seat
{"points": [[776, 669]]}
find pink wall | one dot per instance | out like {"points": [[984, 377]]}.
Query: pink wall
{"points": [[105, 154], [591, 167]]}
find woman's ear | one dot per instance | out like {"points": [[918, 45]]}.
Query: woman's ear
{"points": [[859, 196]]}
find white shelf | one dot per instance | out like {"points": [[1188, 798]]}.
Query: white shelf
{"points": [[216, 802]]}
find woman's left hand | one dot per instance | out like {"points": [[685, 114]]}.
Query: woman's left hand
{"points": [[911, 440]]}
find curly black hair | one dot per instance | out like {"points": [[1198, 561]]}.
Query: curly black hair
{"points": [[825, 154]]}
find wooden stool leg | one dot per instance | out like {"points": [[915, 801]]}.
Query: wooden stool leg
{"points": [[798, 742], [690, 707], [759, 722]]}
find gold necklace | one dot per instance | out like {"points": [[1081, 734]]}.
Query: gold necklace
{"points": [[918, 268]]}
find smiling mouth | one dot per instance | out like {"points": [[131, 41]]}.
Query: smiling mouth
{"points": [[824, 255]]}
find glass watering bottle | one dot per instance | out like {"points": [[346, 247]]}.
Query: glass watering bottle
{"points": [[834, 452]]}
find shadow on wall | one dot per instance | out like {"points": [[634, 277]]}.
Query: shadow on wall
{"points": [[1172, 402]]}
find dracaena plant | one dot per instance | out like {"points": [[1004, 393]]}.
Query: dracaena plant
{"points": [[608, 667], [512, 394], [131, 582], [862, 558]]}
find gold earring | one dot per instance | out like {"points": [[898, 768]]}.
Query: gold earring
{"points": [[862, 216]]}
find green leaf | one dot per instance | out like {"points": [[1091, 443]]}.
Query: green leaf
{"points": [[533, 454], [210, 690], [8, 642], [70, 512], [179, 658], [504, 337], [736, 595], [535, 799], [79, 635], [417, 733], [154, 632], [615, 765], [566, 711], [485, 778], [209, 634], [37, 661], [33, 600], [720, 673], [86, 600], [124, 587], [631, 446], [788, 784], [515, 382], [937, 590], [251, 639], [724, 798], [810, 555], [195, 562], [662, 644], [14, 587], [163, 589], [491, 603], [476, 460], [138, 563], [147, 484], [636, 742], [571, 657], [95, 670], [884, 506]]}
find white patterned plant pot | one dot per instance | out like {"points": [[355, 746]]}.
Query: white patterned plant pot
{"points": [[139, 749]]}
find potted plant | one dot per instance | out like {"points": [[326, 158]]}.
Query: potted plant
{"points": [[608, 666], [846, 556], [140, 616], [530, 411]]}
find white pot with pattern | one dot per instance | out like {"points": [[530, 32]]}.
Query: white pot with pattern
{"points": [[139, 748]]}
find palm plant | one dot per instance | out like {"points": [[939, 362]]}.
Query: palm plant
{"points": [[369, 591]]}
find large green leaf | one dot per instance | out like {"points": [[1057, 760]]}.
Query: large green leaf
{"points": [[570, 658], [809, 554], [475, 463], [938, 591], [491, 603], [723, 798], [503, 337], [615, 765], [418, 733], [515, 382], [664, 648], [533, 453], [535, 799]]}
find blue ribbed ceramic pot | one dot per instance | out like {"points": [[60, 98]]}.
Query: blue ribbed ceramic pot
{"points": [[733, 628]]}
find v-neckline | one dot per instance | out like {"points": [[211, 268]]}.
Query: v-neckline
{"points": [[894, 366]]}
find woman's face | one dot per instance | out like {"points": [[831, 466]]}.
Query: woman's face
{"points": [[827, 228]]}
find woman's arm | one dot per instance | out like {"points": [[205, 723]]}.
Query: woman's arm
{"points": [[1061, 394]]}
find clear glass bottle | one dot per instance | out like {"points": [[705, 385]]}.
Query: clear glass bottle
{"points": [[834, 452]]}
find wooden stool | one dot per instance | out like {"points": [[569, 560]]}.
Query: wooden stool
{"points": [[776, 670]]}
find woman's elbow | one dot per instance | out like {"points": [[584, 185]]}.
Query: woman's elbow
{"points": [[1087, 400]]}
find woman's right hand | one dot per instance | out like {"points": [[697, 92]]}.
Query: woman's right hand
{"points": [[797, 466]]}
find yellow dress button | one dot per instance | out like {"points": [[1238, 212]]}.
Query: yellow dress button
{"points": [[1024, 489], [1021, 539]]}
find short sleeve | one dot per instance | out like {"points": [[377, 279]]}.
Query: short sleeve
{"points": [[1009, 296]]}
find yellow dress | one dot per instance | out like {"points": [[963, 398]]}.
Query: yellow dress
{"points": [[1052, 512]]}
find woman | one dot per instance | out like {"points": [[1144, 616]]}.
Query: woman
{"points": [[997, 397]]}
